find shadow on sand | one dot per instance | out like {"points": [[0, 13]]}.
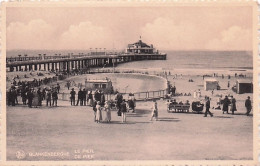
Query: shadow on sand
{"points": [[166, 119], [224, 117], [127, 122]]}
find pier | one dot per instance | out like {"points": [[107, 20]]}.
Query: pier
{"points": [[76, 62]]}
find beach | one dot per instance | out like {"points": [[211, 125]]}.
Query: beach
{"points": [[175, 136]]}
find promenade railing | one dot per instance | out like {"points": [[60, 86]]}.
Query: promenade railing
{"points": [[139, 96]]}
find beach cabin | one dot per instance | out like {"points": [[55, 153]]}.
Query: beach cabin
{"points": [[211, 83], [244, 86], [105, 85]]}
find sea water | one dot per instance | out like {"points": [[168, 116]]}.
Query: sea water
{"points": [[212, 60]]}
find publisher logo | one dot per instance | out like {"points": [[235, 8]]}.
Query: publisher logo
{"points": [[20, 154]]}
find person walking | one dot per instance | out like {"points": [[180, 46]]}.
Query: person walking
{"points": [[154, 111], [248, 105], [108, 111], [226, 103], [123, 110], [99, 112], [233, 107], [207, 108], [72, 97]]}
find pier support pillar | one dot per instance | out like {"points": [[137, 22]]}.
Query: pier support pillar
{"points": [[79, 65]]}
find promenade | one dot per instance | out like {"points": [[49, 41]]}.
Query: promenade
{"points": [[175, 136]]}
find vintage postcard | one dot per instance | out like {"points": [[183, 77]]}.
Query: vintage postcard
{"points": [[129, 83]]}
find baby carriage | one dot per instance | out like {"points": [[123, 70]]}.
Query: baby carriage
{"points": [[197, 106]]}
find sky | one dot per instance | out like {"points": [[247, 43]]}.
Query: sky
{"points": [[167, 28]]}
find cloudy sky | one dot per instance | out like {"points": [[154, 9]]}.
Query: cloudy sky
{"points": [[168, 28]]}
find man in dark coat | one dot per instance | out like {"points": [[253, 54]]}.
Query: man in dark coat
{"points": [[58, 87], [80, 97], [226, 102], [43, 93], [248, 106], [84, 96], [233, 106], [207, 108], [119, 99], [97, 96], [102, 99], [54, 98], [39, 93], [23, 95], [72, 97], [30, 98]]}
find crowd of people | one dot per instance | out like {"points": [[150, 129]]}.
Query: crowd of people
{"points": [[100, 105], [33, 96]]}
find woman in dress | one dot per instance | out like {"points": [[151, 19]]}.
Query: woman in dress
{"points": [[35, 101], [90, 98], [154, 111], [108, 111], [99, 112]]}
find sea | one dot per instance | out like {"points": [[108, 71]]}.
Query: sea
{"points": [[176, 60]]}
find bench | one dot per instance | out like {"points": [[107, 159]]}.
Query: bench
{"points": [[178, 108]]}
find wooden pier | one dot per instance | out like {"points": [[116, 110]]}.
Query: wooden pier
{"points": [[74, 62]]}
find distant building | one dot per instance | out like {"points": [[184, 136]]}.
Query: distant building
{"points": [[243, 86], [105, 85], [211, 84], [140, 48]]}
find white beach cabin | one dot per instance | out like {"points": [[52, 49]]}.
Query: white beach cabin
{"points": [[211, 83]]}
